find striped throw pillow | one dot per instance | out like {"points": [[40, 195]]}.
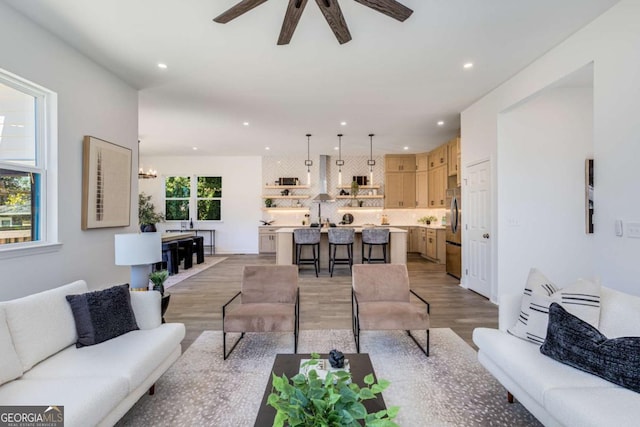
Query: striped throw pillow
{"points": [[582, 299]]}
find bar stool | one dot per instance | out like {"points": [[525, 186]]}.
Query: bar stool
{"points": [[340, 237], [170, 257], [185, 249], [307, 237], [198, 248], [375, 237]]}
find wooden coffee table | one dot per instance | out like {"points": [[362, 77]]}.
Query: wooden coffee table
{"points": [[289, 364]]}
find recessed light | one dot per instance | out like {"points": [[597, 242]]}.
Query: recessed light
{"points": [[17, 126], [468, 65], [162, 65], [406, 148], [267, 148], [195, 148], [343, 123], [336, 148], [440, 123], [245, 123]]}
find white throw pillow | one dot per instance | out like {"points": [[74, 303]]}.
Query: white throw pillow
{"points": [[42, 324], [10, 366], [582, 299]]}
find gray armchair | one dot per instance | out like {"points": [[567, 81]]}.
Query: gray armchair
{"points": [[381, 300], [269, 302]]}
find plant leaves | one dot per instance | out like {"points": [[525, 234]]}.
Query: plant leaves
{"points": [[368, 380], [366, 394]]}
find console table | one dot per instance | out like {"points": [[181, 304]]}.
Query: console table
{"points": [[212, 236]]}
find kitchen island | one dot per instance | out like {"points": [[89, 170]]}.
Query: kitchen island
{"points": [[396, 252]]}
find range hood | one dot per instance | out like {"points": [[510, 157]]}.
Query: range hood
{"points": [[323, 196]]}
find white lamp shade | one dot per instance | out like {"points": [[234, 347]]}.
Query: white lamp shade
{"points": [[138, 248]]}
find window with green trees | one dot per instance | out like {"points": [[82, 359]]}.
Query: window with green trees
{"points": [[182, 199]]}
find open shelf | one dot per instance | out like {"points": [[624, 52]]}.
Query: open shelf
{"points": [[295, 197], [361, 197], [286, 187], [362, 187], [283, 208]]}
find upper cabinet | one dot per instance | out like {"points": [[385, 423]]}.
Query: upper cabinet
{"points": [[422, 162], [438, 157], [400, 163], [400, 190], [452, 149]]}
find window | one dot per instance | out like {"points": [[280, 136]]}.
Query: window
{"points": [[209, 195], [25, 174], [181, 199], [177, 196]]}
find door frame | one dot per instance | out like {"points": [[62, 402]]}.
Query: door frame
{"points": [[493, 262]]}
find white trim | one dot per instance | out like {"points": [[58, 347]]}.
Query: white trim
{"points": [[28, 249]]}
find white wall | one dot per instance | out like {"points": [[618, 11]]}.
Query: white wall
{"points": [[91, 101], [241, 191], [543, 144], [611, 43]]}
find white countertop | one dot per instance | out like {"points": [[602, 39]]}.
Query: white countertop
{"points": [[357, 228]]}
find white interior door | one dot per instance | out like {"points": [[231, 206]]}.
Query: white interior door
{"points": [[477, 219]]}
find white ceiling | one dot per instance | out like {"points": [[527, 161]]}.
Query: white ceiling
{"points": [[393, 79]]}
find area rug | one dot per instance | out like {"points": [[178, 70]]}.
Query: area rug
{"points": [[209, 261], [450, 388]]}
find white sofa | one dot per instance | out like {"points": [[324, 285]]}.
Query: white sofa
{"points": [[97, 385], [557, 394]]}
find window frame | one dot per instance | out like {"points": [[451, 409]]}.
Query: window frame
{"points": [[193, 197], [46, 150]]}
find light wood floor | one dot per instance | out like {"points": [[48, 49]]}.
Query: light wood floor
{"points": [[325, 302]]}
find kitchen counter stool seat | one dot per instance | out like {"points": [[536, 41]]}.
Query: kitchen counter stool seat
{"points": [[308, 237], [374, 237], [340, 237]]}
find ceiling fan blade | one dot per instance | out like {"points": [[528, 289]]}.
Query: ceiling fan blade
{"points": [[389, 7], [332, 13], [237, 10], [291, 18]]}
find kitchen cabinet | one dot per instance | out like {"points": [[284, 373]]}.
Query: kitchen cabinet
{"points": [[414, 241], [438, 157], [435, 245], [422, 162], [400, 163], [453, 164], [422, 189], [423, 241], [400, 190], [267, 240], [437, 185]]}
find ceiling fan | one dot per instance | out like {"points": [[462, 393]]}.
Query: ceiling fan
{"points": [[330, 9]]}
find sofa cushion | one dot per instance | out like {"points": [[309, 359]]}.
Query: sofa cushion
{"points": [[86, 401], [10, 366], [576, 343], [581, 299], [593, 407], [42, 324], [102, 315], [147, 309], [620, 314], [521, 360], [133, 356]]}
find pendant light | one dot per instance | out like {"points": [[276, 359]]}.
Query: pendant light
{"points": [[150, 174], [371, 163], [340, 162], [308, 163]]}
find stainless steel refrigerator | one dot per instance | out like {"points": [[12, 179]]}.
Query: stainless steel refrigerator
{"points": [[454, 233]]}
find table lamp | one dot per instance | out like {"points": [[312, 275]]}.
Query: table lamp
{"points": [[139, 250]]}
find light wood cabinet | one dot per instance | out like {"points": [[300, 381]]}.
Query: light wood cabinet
{"points": [[422, 162], [437, 185], [431, 244], [435, 245], [267, 240], [453, 165], [422, 189], [414, 239], [438, 157], [400, 163], [400, 190], [423, 241]]}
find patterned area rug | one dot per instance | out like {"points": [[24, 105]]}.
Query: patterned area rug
{"points": [[209, 261], [450, 388]]}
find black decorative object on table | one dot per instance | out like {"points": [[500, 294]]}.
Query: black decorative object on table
{"points": [[336, 359]]}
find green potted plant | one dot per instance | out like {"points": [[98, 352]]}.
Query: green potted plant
{"points": [[308, 401], [158, 278], [355, 187], [268, 202], [147, 215], [427, 219]]}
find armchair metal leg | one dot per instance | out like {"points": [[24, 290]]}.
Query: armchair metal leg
{"points": [[425, 350], [224, 345]]}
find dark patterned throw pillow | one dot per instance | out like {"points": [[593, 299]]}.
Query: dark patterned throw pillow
{"points": [[576, 343], [102, 315]]}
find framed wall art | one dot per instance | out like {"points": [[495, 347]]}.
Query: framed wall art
{"points": [[106, 184]]}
